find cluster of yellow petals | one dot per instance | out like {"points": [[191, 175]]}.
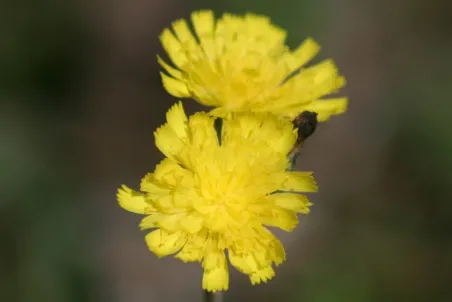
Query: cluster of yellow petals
{"points": [[241, 64], [218, 189]]}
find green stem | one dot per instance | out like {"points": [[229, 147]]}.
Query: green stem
{"points": [[213, 297]]}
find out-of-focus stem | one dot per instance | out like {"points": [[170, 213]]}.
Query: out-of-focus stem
{"points": [[213, 297]]}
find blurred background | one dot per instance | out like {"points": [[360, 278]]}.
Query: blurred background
{"points": [[80, 97]]}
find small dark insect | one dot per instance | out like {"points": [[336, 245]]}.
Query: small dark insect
{"points": [[306, 123]]}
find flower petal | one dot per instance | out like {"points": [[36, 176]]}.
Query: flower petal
{"points": [[173, 47], [193, 250], [260, 128], [202, 132], [184, 35], [171, 173], [216, 274], [318, 80], [174, 86], [276, 251], [175, 73], [177, 120], [302, 89], [191, 223], [252, 261], [262, 275], [245, 263], [163, 243], [303, 54], [133, 201], [280, 218], [167, 141], [154, 189], [299, 182], [171, 223], [326, 108], [151, 221], [204, 23], [290, 201]]}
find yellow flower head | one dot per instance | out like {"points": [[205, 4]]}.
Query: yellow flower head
{"points": [[217, 192], [242, 64]]}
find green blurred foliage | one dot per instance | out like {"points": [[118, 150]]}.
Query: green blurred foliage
{"points": [[42, 249], [43, 52], [42, 244]]}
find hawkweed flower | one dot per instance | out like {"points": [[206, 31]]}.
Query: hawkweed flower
{"points": [[241, 63], [217, 191]]}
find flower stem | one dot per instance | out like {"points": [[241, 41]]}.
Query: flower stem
{"points": [[213, 297]]}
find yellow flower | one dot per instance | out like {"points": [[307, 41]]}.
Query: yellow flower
{"points": [[242, 64], [216, 193]]}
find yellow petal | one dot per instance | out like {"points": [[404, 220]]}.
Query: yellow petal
{"points": [[154, 189], [151, 221], [245, 263], [184, 194], [172, 174], [277, 252], [299, 181], [192, 224], [254, 128], [320, 72], [219, 112], [177, 120], [260, 28], [285, 141], [203, 134], [272, 250], [163, 243], [216, 275], [173, 48], [165, 204], [171, 222], [303, 53], [290, 201], [316, 81], [277, 132], [203, 22], [174, 86], [284, 219], [326, 108], [309, 84], [262, 275], [175, 73], [253, 259], [167, 141], [238, 129], [189, 44], [193, 250], [216, 221], [133, 201]]}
